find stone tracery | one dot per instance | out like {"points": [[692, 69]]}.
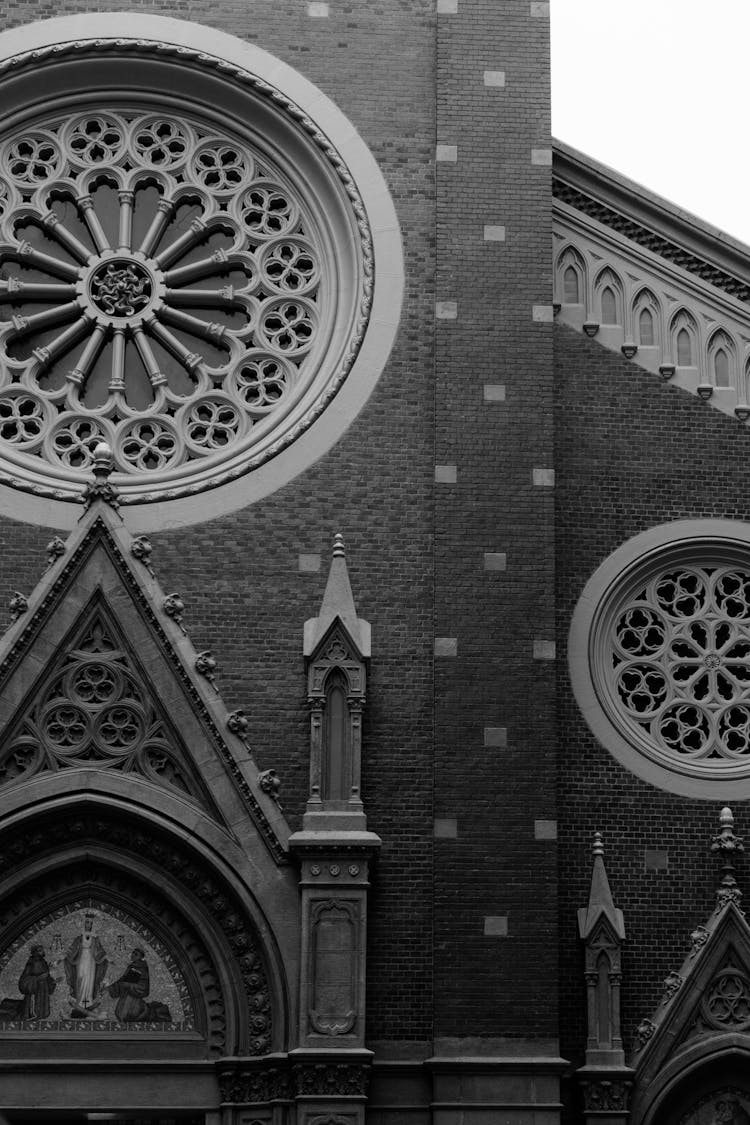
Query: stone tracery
{"points": [[95, 710], [164, 289], [678, 662]]}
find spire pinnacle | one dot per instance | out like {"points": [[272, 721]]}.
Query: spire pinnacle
{"points": [[728, 845], [600, 897], [338, 602]]}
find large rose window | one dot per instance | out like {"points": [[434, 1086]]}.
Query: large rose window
{"points": [[166, 287]]}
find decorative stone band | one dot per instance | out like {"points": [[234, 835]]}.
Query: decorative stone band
{"points": [[248, 1084], [650, 239], [651, 310]]}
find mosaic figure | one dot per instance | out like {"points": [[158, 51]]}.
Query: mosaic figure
{"points": [[36, 984], [729, 1112], [85, 966], [131, 990]]}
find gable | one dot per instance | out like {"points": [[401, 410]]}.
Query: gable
{"points": [[98, 674]]}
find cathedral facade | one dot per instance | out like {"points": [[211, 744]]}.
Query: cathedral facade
{"points": [[375, 683]]}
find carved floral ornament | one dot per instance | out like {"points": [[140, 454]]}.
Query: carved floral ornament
{"points": [[172, 282], [666, 679]]}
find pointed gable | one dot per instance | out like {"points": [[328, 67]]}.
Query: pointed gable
{"points": [[97, 673], [709, 995]]}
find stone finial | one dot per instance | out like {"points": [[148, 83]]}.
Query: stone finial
{"points": [[728, 845], [338, 546], [726, 841], [597, 847], [101, 488]]}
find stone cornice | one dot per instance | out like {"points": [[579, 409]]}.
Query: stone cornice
{"points": [[650, 221]]}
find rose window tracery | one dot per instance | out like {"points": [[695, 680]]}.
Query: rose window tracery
{"points": [[165, 287], [679, 662]]}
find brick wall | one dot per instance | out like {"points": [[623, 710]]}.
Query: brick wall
{"points": [[492, 179], [632, 452], [468, 387]]}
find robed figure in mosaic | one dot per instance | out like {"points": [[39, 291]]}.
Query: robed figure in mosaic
{"points": [[131, 990], [85, 966], [36, 984]]}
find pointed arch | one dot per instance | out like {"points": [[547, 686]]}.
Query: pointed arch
{"points": [[684, 339], [609, 297], [571, 276], [647, 319], [721, 356], [143, 872]]}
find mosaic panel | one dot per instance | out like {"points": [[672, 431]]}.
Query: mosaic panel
{"points": [[89, 966], [722, 1107]]}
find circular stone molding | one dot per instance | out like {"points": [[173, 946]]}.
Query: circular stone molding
{"points": [[198, 255], [659, 657]]}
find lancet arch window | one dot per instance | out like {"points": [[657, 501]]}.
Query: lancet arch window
{"points": [[647, 319], [610, 297], [722, 362], [684, 337], [571, 273]]}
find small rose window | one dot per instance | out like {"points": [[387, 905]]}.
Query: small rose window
{"points": [[659, 657]]}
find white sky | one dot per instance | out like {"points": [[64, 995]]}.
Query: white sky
{"points": [[658, 90]]}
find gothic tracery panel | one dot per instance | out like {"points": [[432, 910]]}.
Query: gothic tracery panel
{"points": [[95, 709]]}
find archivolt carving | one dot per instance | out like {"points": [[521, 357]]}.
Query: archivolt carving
{"points": [[171, 859], [95, 709]]}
